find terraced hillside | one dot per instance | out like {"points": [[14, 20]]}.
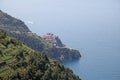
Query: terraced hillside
{"points": [[19, 62]]}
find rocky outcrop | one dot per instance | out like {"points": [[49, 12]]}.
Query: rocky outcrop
{"points": [[59, 50], [64, 54], [53, 40]]}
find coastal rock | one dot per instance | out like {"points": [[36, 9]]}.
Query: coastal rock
{"points": [[64, 54], [53, 40], [59, 50]]}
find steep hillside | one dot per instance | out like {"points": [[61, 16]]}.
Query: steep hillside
{"points": [[19, 62], [13, 23], [17, 29]]}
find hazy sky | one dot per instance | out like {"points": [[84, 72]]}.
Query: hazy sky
{"points": [[91, 18], [67, 13]]}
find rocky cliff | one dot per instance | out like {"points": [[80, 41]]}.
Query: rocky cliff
{"points": [[49, 44], [65, 53]]}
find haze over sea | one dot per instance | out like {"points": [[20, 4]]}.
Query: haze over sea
{"points": [[91, 26]]}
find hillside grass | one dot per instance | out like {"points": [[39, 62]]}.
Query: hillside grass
{"points": [[19, 62]]}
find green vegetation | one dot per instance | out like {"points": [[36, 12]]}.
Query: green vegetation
{"points": [[19, 62], [32, 40]]}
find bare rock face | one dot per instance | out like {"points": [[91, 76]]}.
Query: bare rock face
{"points": [[53, 40]]}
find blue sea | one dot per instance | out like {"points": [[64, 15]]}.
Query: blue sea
{"points": [[91, 26]]}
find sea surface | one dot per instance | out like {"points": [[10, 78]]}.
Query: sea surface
{"points": [[91, 26]]}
